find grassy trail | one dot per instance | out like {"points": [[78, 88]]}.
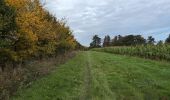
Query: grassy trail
{"points": [[102, 76], [86, 95]]}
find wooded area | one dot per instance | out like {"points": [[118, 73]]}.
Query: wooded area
{"points": [[29, 34], [27, 31], [133, 45], [127, 40]]}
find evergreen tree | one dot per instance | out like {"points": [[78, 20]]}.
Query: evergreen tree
{"points": [[96, 42], [150, 40], [168, 40]]}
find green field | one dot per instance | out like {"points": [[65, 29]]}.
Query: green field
{"points": [[102, 76]]}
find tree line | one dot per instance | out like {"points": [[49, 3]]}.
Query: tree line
{"points": [[128, 40], [29, 31]]}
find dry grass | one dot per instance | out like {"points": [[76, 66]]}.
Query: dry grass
{"points": [[23, 76]]}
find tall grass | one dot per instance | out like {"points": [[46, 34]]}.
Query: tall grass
{"points": [[158, 52], [22, 77]]}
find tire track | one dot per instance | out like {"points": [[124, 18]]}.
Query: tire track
{"points": [[87, 90]]}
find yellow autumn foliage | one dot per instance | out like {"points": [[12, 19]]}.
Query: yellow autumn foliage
{"points": [[38, 32]]}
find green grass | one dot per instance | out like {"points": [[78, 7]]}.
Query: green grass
{"points": [[102, 76]]}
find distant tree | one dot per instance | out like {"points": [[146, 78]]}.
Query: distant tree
{"points": [[96, 42], [119, 37], [138, 39], [160, 42], [114, 41], [107, 41], [128, 40], [168, 40], [134, 40], [150, 40]]}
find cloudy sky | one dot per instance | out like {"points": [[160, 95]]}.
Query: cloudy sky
{"points": [[113, 17]]}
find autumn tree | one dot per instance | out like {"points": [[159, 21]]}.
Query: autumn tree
{"points": [[28, 30], [26, 22]]}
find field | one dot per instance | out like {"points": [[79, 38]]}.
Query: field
{"points": [[95, 75], [156, 52]]}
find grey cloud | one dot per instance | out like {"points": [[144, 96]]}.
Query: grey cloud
{"points": [[113, 17]]}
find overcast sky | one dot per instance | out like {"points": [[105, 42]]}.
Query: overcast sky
{"points": [[113, 17]]}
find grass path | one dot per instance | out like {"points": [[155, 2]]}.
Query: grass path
{"points": [[86, 95], [102, 76]]}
